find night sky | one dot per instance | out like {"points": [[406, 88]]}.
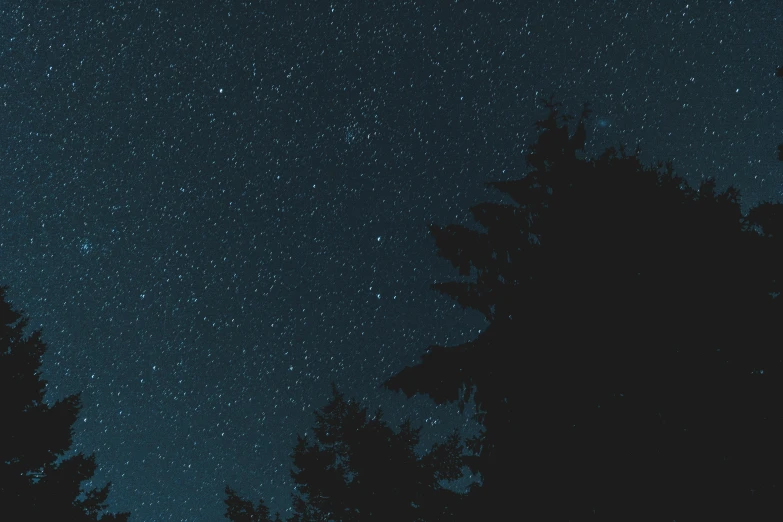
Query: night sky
{"points": [[215, 212]]}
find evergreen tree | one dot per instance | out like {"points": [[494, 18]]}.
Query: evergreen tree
{"points": [[240, 510], [37, 481], [357, 468], [628, 369]]}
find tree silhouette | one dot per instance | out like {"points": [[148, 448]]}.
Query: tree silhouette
{"points": [[37, 480], [357, 468], [240, 510], [631, 366]]}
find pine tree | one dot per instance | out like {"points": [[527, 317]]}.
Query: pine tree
{"points": [[241, 510], [355, 467], [37, 480], [627, 368]]}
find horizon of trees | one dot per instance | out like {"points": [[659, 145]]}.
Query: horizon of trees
{"points": [[630, 341], [356, 467], [630, 369], [39, 480]]}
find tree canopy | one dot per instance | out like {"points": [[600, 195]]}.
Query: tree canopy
{"points": [[355, 468], [39, 480], [630, 367], [241, 510]]}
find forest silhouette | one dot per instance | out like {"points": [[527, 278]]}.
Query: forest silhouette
{"points": [[40, 478], [630, 369]]}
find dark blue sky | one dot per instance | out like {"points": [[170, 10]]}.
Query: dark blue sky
{"points": [[214, 212]]}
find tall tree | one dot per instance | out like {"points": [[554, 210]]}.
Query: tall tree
{"points": [[37, 480], [241, 510], [355, 467], [627, 369]]}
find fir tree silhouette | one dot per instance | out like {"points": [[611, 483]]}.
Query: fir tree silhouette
{"points": [[240, 510], [631, 367], [355, 467], [37, 481]]}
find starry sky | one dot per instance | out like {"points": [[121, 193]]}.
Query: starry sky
{"points": [[215, 212]]}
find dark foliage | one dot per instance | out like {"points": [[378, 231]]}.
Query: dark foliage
{"points": [[240, 510], [631, 368], [37, 482], [355, 467]]}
